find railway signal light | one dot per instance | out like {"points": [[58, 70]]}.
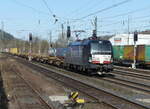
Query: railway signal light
{"points": [[135, 36], [30, 51], [94, 33], [68, 32], [135, 39], [30, 37]]}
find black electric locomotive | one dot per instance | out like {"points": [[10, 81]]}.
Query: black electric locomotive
{"points": [[91, 55]]}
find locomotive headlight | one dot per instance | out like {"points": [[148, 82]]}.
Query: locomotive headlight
{"points": [[111, 60], [90, 59]]}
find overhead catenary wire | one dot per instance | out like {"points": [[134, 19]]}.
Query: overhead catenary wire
{"points": [[141, 27], [142, 17], [87, 6], [123, 22], [48, 7], [27, 6], [117, 22], [54, 15], [34, 9], [123, 14], [133, 27], [81, 6], [127, 13], [105, 9]]}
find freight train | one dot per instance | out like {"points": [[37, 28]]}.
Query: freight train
{"points": [[91, 55], [124, 54]]}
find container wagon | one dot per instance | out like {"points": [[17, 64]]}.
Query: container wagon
{"points": [[125, 54]]}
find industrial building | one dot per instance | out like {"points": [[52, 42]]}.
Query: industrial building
{"points": [[127, 39]]}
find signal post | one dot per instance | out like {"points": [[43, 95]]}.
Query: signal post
{"points": [[30, 51], [135, 46]]}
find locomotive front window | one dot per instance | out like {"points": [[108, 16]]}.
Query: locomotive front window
{"points": [[100, 47]]}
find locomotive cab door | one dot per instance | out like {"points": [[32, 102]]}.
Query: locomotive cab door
{"points": [[86, 54]]}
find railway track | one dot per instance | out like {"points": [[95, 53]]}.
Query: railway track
{"points": [[138, 71], [117, 102], [43, 103], [3, 97], [129, 84], [126, 72]]}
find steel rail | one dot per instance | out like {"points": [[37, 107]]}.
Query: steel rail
{"points": [[104, 96]]}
